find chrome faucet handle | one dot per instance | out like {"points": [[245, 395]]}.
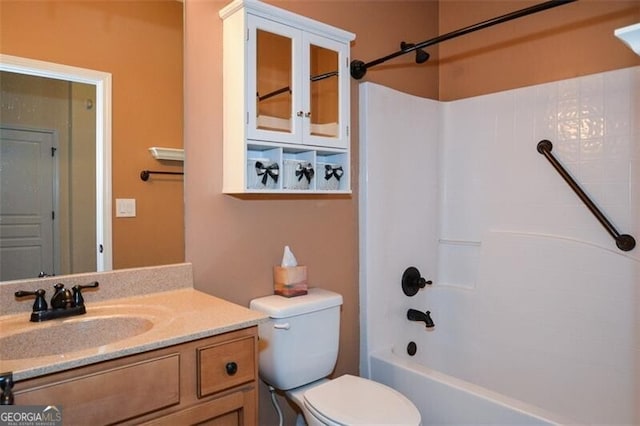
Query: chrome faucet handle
{"points": [[62, 298], [40, 303], [78, 300]]}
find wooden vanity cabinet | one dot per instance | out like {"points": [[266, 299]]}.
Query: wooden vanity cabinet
{"points": [[210, 381]]}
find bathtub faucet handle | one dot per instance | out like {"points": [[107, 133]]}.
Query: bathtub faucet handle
{"points": [[416, 315], [412, 281]]}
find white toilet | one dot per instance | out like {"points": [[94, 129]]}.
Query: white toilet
{"points": [[298, 350]]}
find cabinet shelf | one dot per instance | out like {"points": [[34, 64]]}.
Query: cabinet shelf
{"points": [[286, 102], [274, 168]]}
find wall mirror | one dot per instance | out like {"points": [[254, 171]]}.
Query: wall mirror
{"points": [[55, 169], [135, 99]]}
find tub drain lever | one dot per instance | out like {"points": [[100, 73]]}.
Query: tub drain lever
{"points": [[416, 315]]}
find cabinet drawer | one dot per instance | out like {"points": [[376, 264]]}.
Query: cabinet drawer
{"points": [[112, 395], [225, 365]]}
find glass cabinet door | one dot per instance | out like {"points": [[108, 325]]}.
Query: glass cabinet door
{"points": [[273, 74], [273, 108], [295, 86], [324, 93], [326, 85]]}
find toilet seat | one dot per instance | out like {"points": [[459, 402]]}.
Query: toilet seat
{"points": [[351, 400]]}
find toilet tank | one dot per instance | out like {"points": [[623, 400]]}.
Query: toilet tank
{"points": [[299, 343]]}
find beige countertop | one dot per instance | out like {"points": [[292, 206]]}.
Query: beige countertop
{"points": [[151, 321]]}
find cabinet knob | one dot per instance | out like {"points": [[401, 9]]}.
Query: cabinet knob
{"points": [[308, 114], [300, 113], [232, 368]]}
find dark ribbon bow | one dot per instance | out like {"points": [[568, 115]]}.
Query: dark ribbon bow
{"points": [[271, 170], [330, 171], [306, 171]]}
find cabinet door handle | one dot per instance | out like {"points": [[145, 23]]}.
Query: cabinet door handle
{"points": [[232, 368]]}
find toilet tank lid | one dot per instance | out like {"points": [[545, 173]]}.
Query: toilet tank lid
{"points": [[283, 307]]}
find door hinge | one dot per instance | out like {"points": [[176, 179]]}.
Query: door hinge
{"points": [[53, 215], [347, 131], [53, 151]]}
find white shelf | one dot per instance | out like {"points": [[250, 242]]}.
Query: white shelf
{"points": [[630, 36], [173, 154]]}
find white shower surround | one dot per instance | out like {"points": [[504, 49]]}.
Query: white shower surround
{"points": [[531, 298]]}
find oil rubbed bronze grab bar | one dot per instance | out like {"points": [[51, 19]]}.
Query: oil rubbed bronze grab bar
{"points": [[624, 242], [144, 175]]}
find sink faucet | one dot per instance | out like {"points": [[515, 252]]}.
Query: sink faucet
{"points": [[64, 303], [415, 315], [62, 298]]}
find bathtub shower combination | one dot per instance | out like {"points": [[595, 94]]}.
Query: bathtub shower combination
{"points": [[536, 311]]}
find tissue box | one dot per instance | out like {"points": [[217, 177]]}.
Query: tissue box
{"points": [[290, 281]]}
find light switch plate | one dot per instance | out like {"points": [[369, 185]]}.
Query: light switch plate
{"points": [[125, 207]]}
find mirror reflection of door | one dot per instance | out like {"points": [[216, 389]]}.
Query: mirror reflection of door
{"points": [[60, 237], [324, 91], [27, 173]]}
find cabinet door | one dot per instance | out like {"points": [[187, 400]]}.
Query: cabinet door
{"points": [[273, 82], [326, 95], [235, 409]]}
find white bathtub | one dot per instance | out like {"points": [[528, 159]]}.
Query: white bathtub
{"points": [[446, 400]]}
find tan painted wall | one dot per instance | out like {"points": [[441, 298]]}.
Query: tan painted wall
{"points": [[140, 44], [568, 41]]}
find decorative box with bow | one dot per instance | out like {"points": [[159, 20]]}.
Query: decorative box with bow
{"points": [[262, 173], [329, 176], [298, 174]]}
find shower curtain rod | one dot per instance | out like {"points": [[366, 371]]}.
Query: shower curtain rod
{"points": [[359, 68]]}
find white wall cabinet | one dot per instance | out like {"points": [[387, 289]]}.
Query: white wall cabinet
{"points": [[286, 102]]}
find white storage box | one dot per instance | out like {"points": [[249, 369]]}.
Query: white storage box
{"points": [[298, 174], [262, 173], [329, 175]]}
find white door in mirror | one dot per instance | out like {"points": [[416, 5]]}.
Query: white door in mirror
{"points": [[125, 207]]}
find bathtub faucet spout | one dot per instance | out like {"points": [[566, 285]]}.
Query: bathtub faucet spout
{"points": [[415, 315]]}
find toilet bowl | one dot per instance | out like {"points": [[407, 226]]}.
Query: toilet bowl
{"points": [[298, 351]]}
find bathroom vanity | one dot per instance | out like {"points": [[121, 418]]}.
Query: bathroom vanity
{"points": [[177, 356]]}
